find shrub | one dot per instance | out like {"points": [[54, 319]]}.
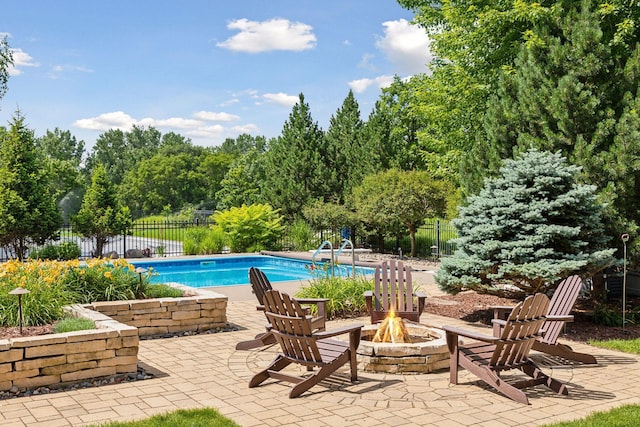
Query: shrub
{"points": [[68, 251], [193, 240], [162, 291], [106, 280], [47, 292], [345, 294], [71, 324], [302, 236], [214, 242], [250, 228]]}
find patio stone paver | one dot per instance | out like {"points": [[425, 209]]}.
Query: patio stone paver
{"points": [[206, 370]]}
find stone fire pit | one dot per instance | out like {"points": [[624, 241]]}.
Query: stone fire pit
{"points": [[426, 353]]}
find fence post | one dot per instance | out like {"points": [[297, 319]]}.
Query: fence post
{"points": [[438, 236]]}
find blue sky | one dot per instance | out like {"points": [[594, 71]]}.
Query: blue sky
{"points": [[205, 69]]}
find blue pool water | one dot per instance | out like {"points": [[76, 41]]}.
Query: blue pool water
{"points": [[234, 270]]}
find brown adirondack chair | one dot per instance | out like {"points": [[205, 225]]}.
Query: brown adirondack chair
{"points": [[393, 289], [562, 302], [260, 285], [489, 357], [292, 328]]}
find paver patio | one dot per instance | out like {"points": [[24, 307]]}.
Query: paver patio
{"points": [[206, 370]]}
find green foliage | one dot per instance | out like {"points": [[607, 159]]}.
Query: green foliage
{"points": [[206, 417], [623, 416], [243, 181], [162, 290], [64, 251], [28, 211], [71, 324], [322, 215], [250, 228], [391, 200], [101, 216], [6, 60], [103, 280], [47, 295], [302, 236], [295, 172], [345, 294], [527, 229], [204, 241]]}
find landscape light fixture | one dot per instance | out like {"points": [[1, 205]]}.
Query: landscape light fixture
{"points": [[140, 272], [625, 239], [19, 291]]}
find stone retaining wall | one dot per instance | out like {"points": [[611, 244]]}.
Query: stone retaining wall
{"points": [[110, 349], [200, 311], [57, 359]]}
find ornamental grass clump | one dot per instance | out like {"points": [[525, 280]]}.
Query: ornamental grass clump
{"points": [[345, 294]]}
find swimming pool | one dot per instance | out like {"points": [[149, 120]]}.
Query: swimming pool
{"points": [[234, 270]]}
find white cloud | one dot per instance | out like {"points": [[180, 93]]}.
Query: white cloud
{"points": [[359, 86], [281, 99], [274, 34], [365, 61], [249, 128], [216, 117], [56, 70], [195, 128], [172, 122], [406, 46], [106, 121], [21, 59]]}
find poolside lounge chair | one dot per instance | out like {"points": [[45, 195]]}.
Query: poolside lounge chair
{"points": [[393, 289], [562, 302], [489, 357], [260, 285], [292, 329]]}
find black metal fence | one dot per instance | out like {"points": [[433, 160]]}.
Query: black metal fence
{"points": [[165, 238]]}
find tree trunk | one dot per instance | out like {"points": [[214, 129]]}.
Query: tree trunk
{"points": [[412, 233]]}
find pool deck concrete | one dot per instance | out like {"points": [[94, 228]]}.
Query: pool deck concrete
{"points": [[207, 371]]}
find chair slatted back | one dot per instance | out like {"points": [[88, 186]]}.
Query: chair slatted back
{"points": [[562, 302], [522, 328], [292, 328], [259, 283], [393, 287]]}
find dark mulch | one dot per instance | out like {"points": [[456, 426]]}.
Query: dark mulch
{"points": [[474, 307]]}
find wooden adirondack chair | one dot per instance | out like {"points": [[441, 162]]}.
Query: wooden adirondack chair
{"points": [[260, 285], [292, 328], [562, 302], [491, 356], [393, 288]]}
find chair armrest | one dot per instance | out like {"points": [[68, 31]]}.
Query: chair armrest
{"points": [[420, 294], [560, 318], [312, 300], [500, 310], [368, 294], [470, 334], [338, 331], [500, 322]]}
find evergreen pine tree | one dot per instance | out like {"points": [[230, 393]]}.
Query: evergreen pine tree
{"points": [[526, 230]]}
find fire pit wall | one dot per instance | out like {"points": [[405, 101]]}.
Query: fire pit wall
{"points": [[426, 354]]}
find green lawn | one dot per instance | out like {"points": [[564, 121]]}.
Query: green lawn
{"points": [[206, 417]]}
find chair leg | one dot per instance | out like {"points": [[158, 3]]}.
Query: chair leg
{"points": [[323, 373], [278, 364], [536, 373]]}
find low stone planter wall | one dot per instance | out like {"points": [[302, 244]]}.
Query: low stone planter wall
{"points": [[58, 359], [199, 311]]}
